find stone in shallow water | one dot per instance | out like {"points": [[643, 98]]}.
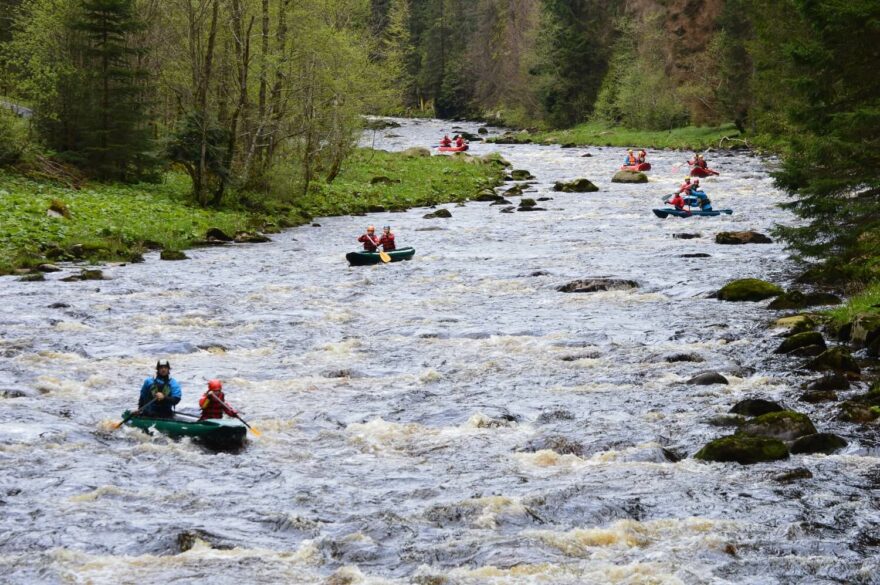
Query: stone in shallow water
{"points": [[818, 443], [588, 285], [707, 379], [743, 449], [793, 475], [785, 425], [755, 407]]}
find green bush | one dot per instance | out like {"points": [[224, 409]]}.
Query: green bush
{"points": [[13, 137]]}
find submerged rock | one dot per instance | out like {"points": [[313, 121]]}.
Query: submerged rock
{"points": [[798, 300], [707, 379], [683, 357], [33, 277], [755, 407], [818, 443], [739, 238], [521, 175], [440, 213], [786, 425], [858, 412], [629, 177], [816, 396], [726, 420], [686, 236], [743, 449], [575, 186], [827, 383], [514, 191], [793, 475], [748, 289], [589, 285], [801, 340], [557, 443]]}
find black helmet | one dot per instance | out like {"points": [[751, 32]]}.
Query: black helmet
{"points": [[163, 364]]}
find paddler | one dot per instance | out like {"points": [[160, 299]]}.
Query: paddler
{"points": [[160, 394], [387, 239], [459, 141], [685, 188], [631, 159], [704, 202], [445, 141], [643, 155], [370, 239], [698, 161], [213, 402], [678, 202]]}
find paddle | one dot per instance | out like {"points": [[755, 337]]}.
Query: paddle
{"points": [[133, 414], [384, 256], [213, 396]]}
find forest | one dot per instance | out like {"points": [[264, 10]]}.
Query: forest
{"points": [[266, 97]]}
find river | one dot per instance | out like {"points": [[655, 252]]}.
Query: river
{"points": [[449, 420]]}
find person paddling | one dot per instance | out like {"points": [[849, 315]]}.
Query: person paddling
{"points": [[703, 200], [678, 202], [387, 239], [684, 188], [459, 141], [698, 161], [643, 155], [213, 402], [370, 240], [445, 141], [631, 159], [159, 395]]}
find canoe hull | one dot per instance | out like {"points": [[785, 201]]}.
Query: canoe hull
{"points": [[645, 166], [664, 213], [701, 172], [452, 148], [369, 258], [221, 433]]}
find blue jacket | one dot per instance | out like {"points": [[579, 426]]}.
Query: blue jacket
{"points": [[165, 408]]}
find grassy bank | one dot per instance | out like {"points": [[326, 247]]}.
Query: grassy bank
{"points": [[868, 301], [102, 222], [597, 134]]}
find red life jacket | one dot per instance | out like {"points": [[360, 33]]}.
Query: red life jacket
{"points": [[387, 242], [371, 243], [459, 142], [212, 408]]}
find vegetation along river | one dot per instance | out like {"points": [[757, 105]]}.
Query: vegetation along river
{"points": [[452, 419]]}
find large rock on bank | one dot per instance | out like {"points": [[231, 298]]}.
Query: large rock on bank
{"points": [[629, 177], [798, 300], [743, 449], [748, 289]]}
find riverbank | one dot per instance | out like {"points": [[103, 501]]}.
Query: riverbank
{"points": [[597, 134], [42, 221]]}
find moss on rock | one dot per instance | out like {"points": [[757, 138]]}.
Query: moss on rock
{"points": [[785, 425], [800, 340], [743, 449], [748, 289], [836, 359]]}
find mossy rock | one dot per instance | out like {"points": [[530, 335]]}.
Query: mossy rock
{"points": [[629, 177], [786, 425], [817, 396], [514, 191], [818, 443], [796, 324], [33, 277], [173, 255], [487, 195], [740, 238], [865, 328], [526, 202], [794, 475], [743, 449], [858, 412], [799, 340], [417, 152], [91, 274], [828, 383], [836, 359], [440, 213], [576, 186], [799, 300], [748, 289], [521, 175], [755, 407], [726, 420]]}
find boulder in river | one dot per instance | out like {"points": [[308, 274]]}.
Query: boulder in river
{"points": [[251, 238], [793, 475], [817, 396], [683, 357], [440, 213], [487, 195], [726, 420], [785, 425], [858, 412], [738, 238], [743, 449], [521, 175], [173, 255], [482, 130], [818, 443], [48, 268], [755, 407], [33, 277], [575, 186], [798, 300], [217, 234], [686, 236], [527, 202], [629, 177], [748, 289], [589, 285], [830, 382], [836, 359], [707, 379], [514, 191], [556, 443], [801, 340], [795, 324], [501, 201]]}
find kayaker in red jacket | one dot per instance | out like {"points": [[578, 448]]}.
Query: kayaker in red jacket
{"points": [[685, 187], [698, 161], [677, 201], [370, 239], [643, 155], [459, 141], [211, 402], [387, 239], [445, 141]]}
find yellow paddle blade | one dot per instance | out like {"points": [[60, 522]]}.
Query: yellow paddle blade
{"points": [[384, 256], [255, 432]]}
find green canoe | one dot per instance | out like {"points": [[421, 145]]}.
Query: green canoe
{"points": [[367, 258], [216, 432]]}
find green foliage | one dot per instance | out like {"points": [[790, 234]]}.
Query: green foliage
{"points": [[13, 137], [831, 170], [867, 301], [597, 133], [184, 147]]}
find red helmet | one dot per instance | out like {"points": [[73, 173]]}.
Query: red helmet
{"points": [[214, 385]]}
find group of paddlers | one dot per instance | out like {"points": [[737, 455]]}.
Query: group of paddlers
{"points": [[161, 393], [632, 158], [689, 195], [372, 242], [456, 141]]}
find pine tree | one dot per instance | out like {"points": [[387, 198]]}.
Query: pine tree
{"points": [[832, 171], [115, 141]]}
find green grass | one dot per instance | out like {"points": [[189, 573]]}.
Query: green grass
{"points": [[118, 222], [868, 301], [598, 134]]}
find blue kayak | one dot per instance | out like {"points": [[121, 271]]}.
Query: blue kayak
{"points": [[667, 211]]}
